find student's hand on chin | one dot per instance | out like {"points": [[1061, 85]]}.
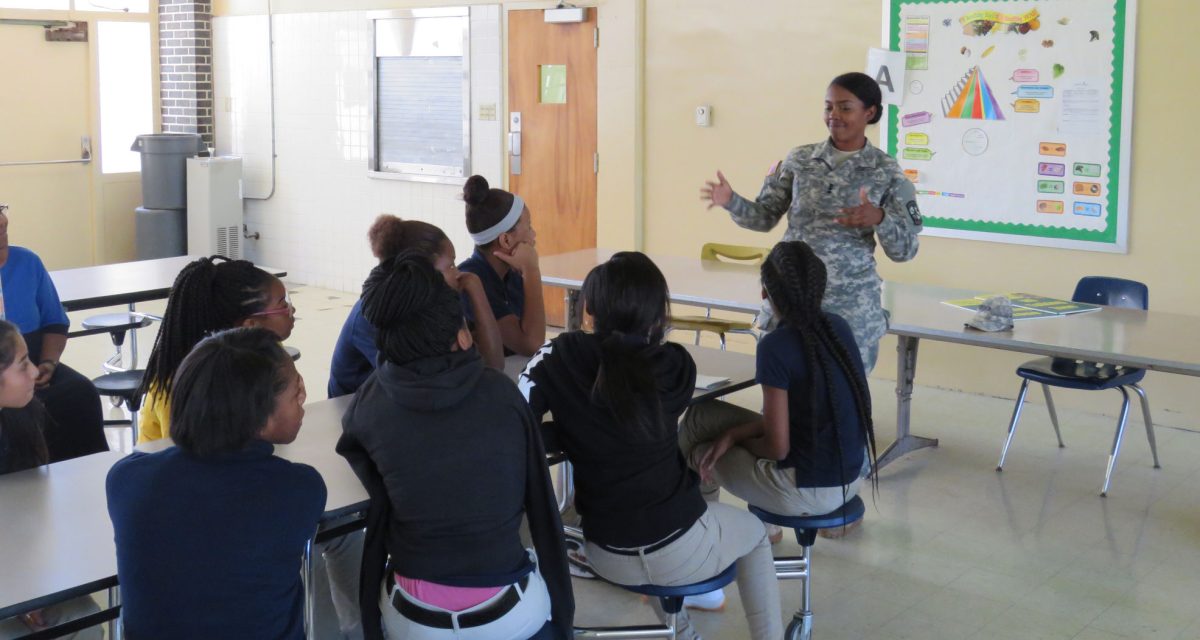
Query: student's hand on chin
{"points": [[523, 259]]}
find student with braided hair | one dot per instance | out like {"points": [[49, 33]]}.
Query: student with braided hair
{"points": [[453, 462], [814, 442], [209, 295], [616, 394], [506, 262], [355, 355]]}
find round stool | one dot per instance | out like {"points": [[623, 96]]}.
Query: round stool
{"points": [[799, 567], [672, 602], [126, 385], [116, 324], [292, 352]]}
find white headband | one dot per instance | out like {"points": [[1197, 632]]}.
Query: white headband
{"points": [[509, 221]]}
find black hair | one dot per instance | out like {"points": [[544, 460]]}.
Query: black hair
{"points": [[390, 235], [208, 295], [22, 427], [414, 312], [794, 278], [485, 206], [225, 390], [864, 88], [629, 303]]}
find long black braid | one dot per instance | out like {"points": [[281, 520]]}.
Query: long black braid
{"points": [[415, 313], [795, 278], [208, 295]]}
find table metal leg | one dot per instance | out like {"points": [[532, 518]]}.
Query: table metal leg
{"points": [[574, 310], [132, 342], [906, 372]]}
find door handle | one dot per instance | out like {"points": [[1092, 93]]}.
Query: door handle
{"points": [[514, 143]]}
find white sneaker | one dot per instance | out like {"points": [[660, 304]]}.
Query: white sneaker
{"points": [[711, 601]]}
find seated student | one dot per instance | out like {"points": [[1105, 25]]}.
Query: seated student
{"points": [[616, 395], [22, 446], [807, 452], [29, 300], [505, 260], [210, 294], [210, 532], [355, 354], [453, 462]]}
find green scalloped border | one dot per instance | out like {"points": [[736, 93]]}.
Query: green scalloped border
{"points": [[1109, 234]]}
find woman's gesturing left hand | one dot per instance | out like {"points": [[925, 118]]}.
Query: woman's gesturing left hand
{"points": [[863, 215]]}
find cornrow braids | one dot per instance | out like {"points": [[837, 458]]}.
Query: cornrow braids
{"points": [[415, 313], [795, 280], [209, 295]]}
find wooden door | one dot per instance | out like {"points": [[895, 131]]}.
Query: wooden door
{"points": [[45, 99], [552, 85]]}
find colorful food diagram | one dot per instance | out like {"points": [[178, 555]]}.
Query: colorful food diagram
{"points": [[1012, 124]]}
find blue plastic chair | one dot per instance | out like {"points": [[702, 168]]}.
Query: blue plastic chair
{"points": [[1091, 376], [800, 567], [672, 602]]}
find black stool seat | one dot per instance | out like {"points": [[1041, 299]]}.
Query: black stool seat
{"points": [[672, 597], [115, 324], [122, 384]]}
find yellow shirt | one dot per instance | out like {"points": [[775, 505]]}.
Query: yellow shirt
{"points": [[154, 420]]}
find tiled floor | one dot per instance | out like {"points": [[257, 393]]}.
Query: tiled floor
{"points": [[951, 548]]}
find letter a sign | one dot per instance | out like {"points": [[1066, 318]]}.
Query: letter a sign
{"points": [[887, 68]]}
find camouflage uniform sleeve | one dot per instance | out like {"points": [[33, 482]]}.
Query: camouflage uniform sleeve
{"points": [[772, 203], [897, 233]]}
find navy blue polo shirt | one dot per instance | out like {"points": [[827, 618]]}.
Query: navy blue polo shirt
{"points": [[781, 363], [354, 355], [211, 547], [506, 296]]}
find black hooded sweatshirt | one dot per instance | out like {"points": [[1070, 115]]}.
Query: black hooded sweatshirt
{"points": [[450, 455], [632, 488]]}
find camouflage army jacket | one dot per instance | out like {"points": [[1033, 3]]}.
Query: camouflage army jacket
{"points": [[812, 193]]}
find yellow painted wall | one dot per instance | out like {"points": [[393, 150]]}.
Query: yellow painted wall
{"points": [[764, 67]]}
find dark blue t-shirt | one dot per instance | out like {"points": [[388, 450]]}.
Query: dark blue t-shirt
{"points": [[211, 547], [506, 296], [355, 355], [782, 364]]}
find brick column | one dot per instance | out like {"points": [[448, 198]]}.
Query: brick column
{"points": [[185, 58]]}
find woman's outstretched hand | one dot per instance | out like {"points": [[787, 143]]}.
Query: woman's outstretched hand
{"points": [[717, 194]]}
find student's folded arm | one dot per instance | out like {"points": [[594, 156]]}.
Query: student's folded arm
{"points": [[773, 440], [530, 331], [487, 331]]}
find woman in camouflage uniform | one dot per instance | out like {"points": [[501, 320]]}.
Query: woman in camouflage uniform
{"points": [[841, 196]]}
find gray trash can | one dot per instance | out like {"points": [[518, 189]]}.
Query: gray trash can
{"points": [[164, 173], [160, 233]]}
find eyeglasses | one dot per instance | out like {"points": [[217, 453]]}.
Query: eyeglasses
{"points": [[286, 308]]}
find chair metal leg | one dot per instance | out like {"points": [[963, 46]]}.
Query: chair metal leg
{"points": [[115, 630], [309, 595], [1012, 425], [1149, 422], [722, 337], [1117, 439], [1053, 414]]}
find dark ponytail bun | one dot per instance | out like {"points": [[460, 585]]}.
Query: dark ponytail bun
{"points": [[475, 191], [416, 314]]}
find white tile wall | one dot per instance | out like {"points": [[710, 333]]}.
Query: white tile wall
{"points": [[315, 223]]}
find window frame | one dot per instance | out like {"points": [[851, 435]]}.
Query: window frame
{"points": [[443, 174]]}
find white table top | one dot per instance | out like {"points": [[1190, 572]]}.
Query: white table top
{"points": [[122, 283], [57, 538], [1151, 340]]}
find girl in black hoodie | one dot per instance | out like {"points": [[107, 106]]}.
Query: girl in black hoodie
{"points": [[616, 395], [450, 455]]}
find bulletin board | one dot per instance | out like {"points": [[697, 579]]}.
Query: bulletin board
{"points": [[1016, 117]]}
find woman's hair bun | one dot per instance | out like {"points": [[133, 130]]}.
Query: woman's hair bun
{"points": [[475, 191]]}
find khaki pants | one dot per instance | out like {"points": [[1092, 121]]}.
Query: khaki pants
{"points": [[758, 481], [722, 536]]}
